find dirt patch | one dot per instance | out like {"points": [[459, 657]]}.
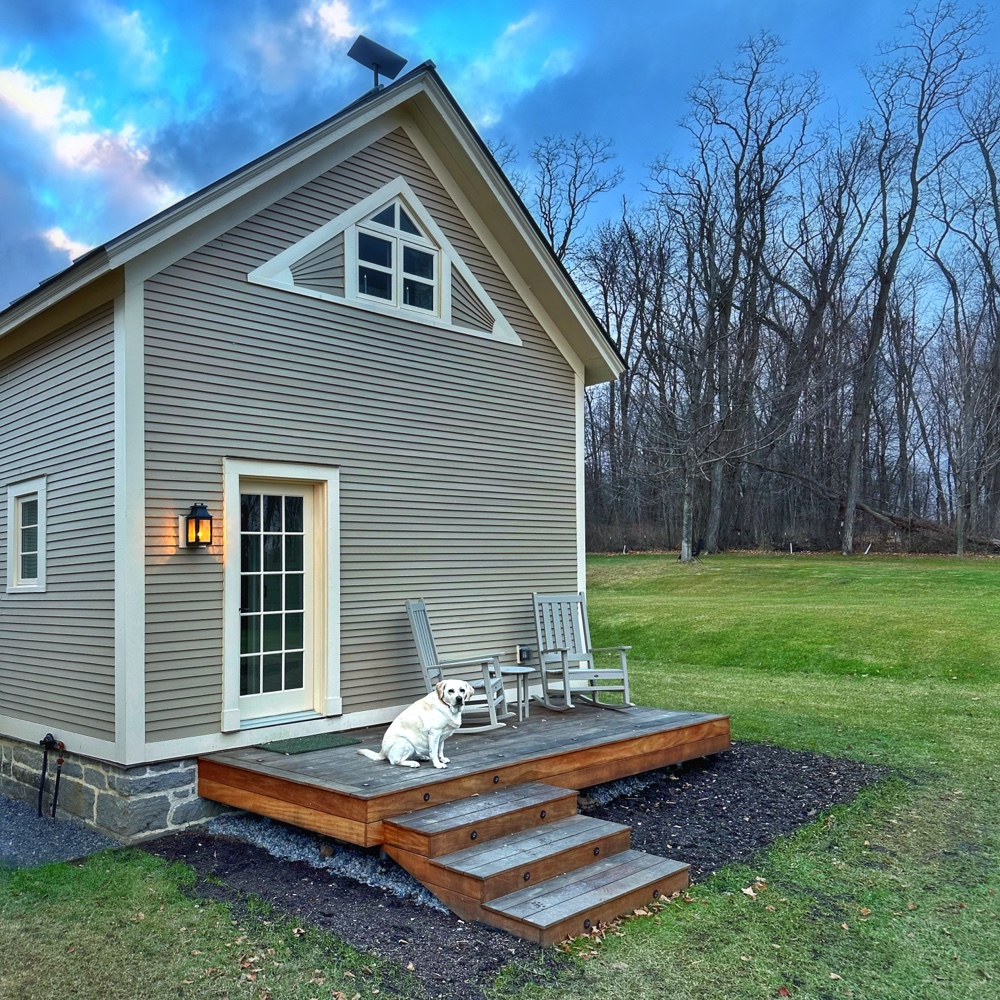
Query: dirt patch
{"points": [[708, 812]]}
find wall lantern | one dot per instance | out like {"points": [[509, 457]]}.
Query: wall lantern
{"points": [[197, 526]]}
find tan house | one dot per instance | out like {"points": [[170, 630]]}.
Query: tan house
{"points": [[359, 354]]}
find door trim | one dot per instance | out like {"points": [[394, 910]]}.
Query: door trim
{"points": [[325, 480]]}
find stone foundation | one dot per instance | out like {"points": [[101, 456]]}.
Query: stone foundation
{"points": [[128, 803]]}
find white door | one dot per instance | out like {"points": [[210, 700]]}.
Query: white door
{"points": [[277, 600]]}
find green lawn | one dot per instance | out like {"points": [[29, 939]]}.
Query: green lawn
{"points": [[894, 896], [886, 660]]}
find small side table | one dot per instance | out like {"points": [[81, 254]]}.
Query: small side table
{"points": [[520, 675]]}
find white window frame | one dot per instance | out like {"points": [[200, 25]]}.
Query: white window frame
{"points": [[277, 272], [16, 495], [326, 699], [398, 238]]}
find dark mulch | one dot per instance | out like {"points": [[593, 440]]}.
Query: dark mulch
{"points": [[708, 812]]}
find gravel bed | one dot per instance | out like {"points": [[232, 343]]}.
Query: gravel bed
{"points": [[708, 812], [27, 839]]}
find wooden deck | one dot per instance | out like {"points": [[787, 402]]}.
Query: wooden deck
{"points": [[339, 793]]}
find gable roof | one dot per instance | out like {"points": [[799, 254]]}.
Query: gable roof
{"points": [[105, 271]]}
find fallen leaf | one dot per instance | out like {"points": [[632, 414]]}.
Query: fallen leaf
{"points": [[410, 967], [846, 928], [911, 906], [748, 891], [865, 912], [784, 992], [833, 975], [770, 908]]}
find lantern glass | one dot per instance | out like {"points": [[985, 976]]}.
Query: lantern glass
{"points": [[198, 525]]}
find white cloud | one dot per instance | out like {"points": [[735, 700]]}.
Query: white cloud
{"points": [[58, 240], [334, 18], [42, 105], [519, 59], [129, 31]]}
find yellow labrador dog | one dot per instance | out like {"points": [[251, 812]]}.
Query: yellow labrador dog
{"points": [[418, 732]]}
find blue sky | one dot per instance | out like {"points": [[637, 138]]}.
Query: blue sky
{"points": [[110, 111]]}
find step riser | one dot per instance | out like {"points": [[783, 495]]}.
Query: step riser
{"points": [[448, 841], [470, 909], [573, 926], [436, 876]]}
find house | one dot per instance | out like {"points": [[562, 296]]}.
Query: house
{"points": [[357, 356]]}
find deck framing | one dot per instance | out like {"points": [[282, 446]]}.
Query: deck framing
{"points": [[343, 795]]}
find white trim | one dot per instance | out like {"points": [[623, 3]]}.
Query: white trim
{"points": [[130, 527], [326, 522], [503, 261], [31, 732], [581, 493], [277, 273], [15, 493], [192, 746]]}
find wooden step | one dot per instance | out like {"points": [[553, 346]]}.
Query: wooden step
{"points": [[572, 904], [451, 826], [496, 868]]}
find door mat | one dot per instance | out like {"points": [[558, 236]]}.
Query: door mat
{"points": [[303, 744]]}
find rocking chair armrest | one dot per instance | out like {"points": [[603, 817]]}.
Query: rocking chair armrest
{"points": [[610, 649], [471, 661]]}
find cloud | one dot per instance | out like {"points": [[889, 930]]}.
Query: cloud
{"points": [[41, 105], [520, 58], [58, 240], [131, 37], [333, 18]]}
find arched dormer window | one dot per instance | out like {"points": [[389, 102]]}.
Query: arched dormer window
{"points": [[396, 262]]}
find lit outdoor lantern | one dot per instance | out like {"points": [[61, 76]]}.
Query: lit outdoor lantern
{"points": [[198, 526]]}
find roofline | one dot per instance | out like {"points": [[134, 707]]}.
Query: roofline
{"points": [[129, 244]]}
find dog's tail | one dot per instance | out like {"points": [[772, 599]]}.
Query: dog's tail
{"points": [[371, 755]]}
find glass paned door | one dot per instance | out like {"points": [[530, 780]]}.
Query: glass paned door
{"points": [[276, 586]]}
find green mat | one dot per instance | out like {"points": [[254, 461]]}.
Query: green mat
{"points": [[303, 744]]}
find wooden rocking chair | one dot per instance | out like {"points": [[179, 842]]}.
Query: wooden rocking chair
{"points": [[482, 672], [566, 657]]}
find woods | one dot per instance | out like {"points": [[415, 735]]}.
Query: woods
{"points": [[808, 308]]}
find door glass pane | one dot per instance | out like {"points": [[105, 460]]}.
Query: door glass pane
{"points": [[293, 671], [272, 513], [249, 675], [293, 631], [250, 593], [293, 553], [416, 293], [293, 513], [272, 592], [377, 283], [374, 251], [249, 512], [272, 553], [250, 553], [250, 634], [272, 673], [419, 263], [293, 592], [272, 633]]}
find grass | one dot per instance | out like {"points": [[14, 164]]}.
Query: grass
{"points": [[892, 897], [120, 926], [887, 660]]}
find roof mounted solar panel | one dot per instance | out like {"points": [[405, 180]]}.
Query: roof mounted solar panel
{"points": [[377, 58]]}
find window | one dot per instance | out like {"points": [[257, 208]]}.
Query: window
{"points": [[26, 536], [396, 262]]}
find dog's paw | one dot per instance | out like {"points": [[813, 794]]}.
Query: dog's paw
{"points": [[440, 763], [445, 760], [409, 763]]}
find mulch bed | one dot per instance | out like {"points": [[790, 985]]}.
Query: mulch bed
{"points": [[708, 812]]}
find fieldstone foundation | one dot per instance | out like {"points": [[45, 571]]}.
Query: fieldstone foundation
{"points": [[128, 803]]}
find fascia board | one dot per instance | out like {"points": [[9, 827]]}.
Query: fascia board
{"points": [[472, 170]]}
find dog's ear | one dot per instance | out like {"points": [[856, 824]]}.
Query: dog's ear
{"points": [[469, 691], [439, 688]]}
